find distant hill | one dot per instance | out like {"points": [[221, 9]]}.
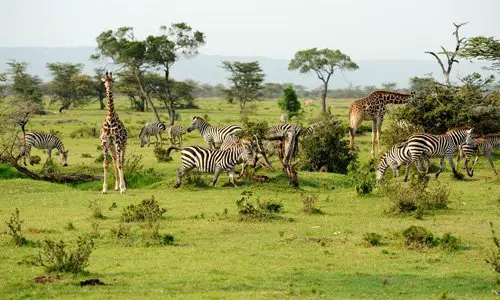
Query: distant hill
{"points": [[206, 68]]}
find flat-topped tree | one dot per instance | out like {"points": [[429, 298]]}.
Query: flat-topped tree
{"points": [[26, 87], [324, 62], [164, 50], [483, 48], [125, 51]]}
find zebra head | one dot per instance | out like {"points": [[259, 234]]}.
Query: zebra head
{"points": [[460, 135], [248, 154], [195, 124], [64, 158], [469, 137], [382, 166]]}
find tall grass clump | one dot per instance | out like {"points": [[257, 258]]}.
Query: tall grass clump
{"points": [[493, 258], [147, 210], [257, 211], [15, 229]]}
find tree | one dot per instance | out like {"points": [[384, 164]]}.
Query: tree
{"points": [[164, 50], [69, 85], [289, 102], [389, 86], [26, 87], [324, 63], [246, 79], [483, 48], [450, 55], [98, 86], [124, 50]]}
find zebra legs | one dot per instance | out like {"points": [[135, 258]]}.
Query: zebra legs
{"points": [[488, 155], [452, 165], [231, 177], [180, 172], [216, 176]]}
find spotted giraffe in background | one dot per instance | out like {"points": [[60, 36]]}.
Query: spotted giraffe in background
{"points": [[113, 139], [373, 108]]}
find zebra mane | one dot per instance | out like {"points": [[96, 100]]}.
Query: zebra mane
{"points": [[200, 118], [458, 129]]}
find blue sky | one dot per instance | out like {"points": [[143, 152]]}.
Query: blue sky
{"points": [[384, 29]]}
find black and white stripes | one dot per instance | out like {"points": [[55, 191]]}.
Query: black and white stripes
{"points": [[214, 161], [481, 146], [151, 128], [213, 134], [44, 141], [175, 133]]}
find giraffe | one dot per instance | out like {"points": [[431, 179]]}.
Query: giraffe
{"points": [[113, 139], [373, 108]]}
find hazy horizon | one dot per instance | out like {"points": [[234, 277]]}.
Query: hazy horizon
{"points": [[384, 29]]}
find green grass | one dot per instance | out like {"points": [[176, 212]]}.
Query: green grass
{"points": [[218, 256]]}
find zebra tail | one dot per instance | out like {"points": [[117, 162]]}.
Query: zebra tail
{"points": [[172, 148], [142, 131]]}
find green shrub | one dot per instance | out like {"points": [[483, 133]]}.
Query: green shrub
{"points": [[86, 155], [94, 232], [309, 204], [449, 242], [289, 102], [96, 209], [15, 229], [85, 132], [363, 176], [399, 131], [70, 226], [148, 210], [152, 236], [133, 163], [260, 211], [161, 155], [122, 232], [35, 159], [50, 168], [195, 178], [326, 149], [54, 257], [372, 239], [100, 158], [417, 237]]}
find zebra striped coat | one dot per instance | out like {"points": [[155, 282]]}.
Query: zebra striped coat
{"points": [[232, 141], [394, 158], [213, 134], [151, 128], [430, 145], [175, 133], [480, 146], [214, 161], [42, 140]]}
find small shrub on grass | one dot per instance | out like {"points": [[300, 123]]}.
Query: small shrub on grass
{"points": [[195, 178], [161, 155], [147, 210], [259, 211], [35, 160], [121, 232], [152, 236], [113, 206], [96, 209], [50, 168], [493, 258], [363, 176], [54, 257], [15, 229], [372, 239], [309, 204], [100, 158], [449, 242], [417, 237], [133, 163], [70, 226], [94, 231], [86, 155]]}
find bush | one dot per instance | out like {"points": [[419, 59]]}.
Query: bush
{"points": [[15, 229], [96, 210], [326, 149], [100, 158], [372, 239], [417, 237], [416, 197], [363, 176], [152, 237], [399, 131], [147, 210], [86, 155], [50, 168], [308, 204], [161, 155], [122, 232], [133, 163], [260, 211], [449, 242], [289, 102], [85, 132], [195, 178], [493, 258], [54, 257]]}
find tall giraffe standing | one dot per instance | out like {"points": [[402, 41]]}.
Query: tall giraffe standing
{"points": [[372, 108], [113, 139]]}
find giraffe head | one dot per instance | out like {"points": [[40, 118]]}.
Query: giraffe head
{"points": [[107, 79], [64, 158]]}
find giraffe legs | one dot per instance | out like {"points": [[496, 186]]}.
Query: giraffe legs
{"points": [[379, 126], [374, 126], [105, 164], [120, 149], [114, 157]]}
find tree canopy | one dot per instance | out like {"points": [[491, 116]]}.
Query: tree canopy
{"points": [[323, 62], [246, 80], [483, 48], [289, 101], [26, 87]]}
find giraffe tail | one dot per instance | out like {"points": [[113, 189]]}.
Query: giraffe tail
{"points": [[172, 148]]}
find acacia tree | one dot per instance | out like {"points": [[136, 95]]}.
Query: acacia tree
{"points": [[246, 80], [125, 51], [69, 85], [324, 62], [450, 55], [483, 48], [98, 87], [164, 50], [26, 87]]}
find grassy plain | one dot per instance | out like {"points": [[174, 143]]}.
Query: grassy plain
{"points": [[216, 255]]}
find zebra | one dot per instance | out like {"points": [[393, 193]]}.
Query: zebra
{"points": [[277, 132], [232, 140], [429, 145], [214, 161], [480, 146], [151, 128], [43, 140], [213, 134], [175, 133], [394, 158]]}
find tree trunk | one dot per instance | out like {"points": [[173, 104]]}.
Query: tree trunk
{"points": [[141, 88], [446, 79], [323, 97]]}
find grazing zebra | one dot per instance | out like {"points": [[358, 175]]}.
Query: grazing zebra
{"points": [[232, 141], [394, 158], [480, 146], [213, 134], [429, 145], [175, 133], [151, 128], [215, 161], [42, 140], [277, 132]]}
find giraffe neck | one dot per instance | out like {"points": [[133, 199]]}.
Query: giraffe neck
{"points": [[396, 98], [110, 107]]}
